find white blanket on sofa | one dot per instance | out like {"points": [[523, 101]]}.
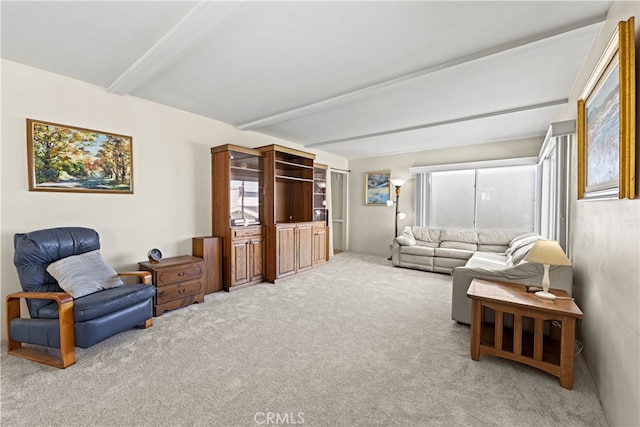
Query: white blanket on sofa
{"points": [[495, 266]]}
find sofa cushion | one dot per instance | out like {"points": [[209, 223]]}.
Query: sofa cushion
{"points": [[459, 245], [84, 274], [427, 244], [426, 236], [418, 250], [497, 237], [500, 249], [102, 303], [455, 235], [453, 253], [495, 240], [424, 263], [447, 265]]}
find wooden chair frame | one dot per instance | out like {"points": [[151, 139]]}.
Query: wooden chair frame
{"points": [[65, 319], [66, 325]]}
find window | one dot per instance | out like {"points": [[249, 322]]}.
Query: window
{"points": [[452, 199], [523, 194], [554, 198], [498, 196], [506, 198]]}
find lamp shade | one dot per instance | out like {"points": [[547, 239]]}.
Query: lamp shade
{"points": [[547, 252], [397, 182]]}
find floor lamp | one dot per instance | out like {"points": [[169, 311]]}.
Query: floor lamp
{"points": [[399, 215]]}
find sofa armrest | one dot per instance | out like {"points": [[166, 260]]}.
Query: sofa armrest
{"points": [[144, 276], [65, 323], [395, 253]]}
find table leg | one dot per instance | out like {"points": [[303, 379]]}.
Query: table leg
{"points": [[499, 329], [537, 339], [476, 328], [567, 341], [517, 334]]}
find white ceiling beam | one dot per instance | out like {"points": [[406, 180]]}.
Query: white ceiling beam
{"points": [[377, 88], [441, 123], [203, 19]]}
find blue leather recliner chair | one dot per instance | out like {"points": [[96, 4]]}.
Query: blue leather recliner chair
{"points": [[56, 318]]}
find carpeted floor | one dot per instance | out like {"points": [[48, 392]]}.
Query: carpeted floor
{"points": [[355, 342]]}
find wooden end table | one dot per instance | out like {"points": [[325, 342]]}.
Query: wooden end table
{"points": [[533, 349]]}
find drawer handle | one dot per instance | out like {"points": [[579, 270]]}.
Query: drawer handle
{"points": [[182, 273], [182, 291]]}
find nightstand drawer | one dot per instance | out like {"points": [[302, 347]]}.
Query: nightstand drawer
{"points": [[177, 291], [180, 274]]}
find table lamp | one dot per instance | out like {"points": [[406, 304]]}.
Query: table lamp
{"points": [[547, 253]]}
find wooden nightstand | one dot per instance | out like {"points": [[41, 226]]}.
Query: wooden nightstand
{"points": [[179, 281]]}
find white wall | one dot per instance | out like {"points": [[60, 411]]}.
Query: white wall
{"points": [[371, 228], [605, 247], [171, 170]]}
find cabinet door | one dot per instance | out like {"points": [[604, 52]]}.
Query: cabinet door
{"points": [[305, 246], [240, 262], [319, 246], [256, 247], [285, 250]]}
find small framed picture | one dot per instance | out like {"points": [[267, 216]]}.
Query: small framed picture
{"points": [[73, 159], [377, 188]]}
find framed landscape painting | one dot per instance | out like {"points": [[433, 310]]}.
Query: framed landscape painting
{"points": [[606, 122], [377, 188], [73, 159]]}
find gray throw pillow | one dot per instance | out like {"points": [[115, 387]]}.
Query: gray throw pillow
{"points": [[84, 274]]}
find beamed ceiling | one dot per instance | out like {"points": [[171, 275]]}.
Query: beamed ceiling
{"points": [[358, 79]]}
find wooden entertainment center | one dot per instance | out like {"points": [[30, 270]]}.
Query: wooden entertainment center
{"points": [[269, 207]]}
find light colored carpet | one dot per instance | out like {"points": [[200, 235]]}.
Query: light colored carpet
{"points": [[355, 342]]}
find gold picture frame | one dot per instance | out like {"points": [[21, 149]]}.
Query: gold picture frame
{"points": [[377, 189], [606, 122], [73, 159]]}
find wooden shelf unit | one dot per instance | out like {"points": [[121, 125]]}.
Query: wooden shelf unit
{"points": [[288, 214], [263, 209], [320, 214], [237, 187]]}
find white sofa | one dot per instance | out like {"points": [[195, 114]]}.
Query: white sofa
{"points": [[468, 254]]}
